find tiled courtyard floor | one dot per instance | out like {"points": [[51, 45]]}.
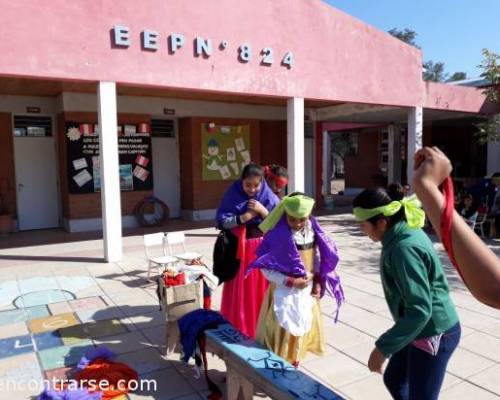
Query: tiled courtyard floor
{"points": [[58, 299]]}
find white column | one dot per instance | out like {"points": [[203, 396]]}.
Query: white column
{"points": [[110, 178], [295, 144], [415, 125], [327, 164], [394, 153]]}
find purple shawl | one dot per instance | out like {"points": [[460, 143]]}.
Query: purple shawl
{"points": [[278, 252], [235, 202]]}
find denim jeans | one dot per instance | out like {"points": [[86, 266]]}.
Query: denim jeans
{"points": [[413, 374]]}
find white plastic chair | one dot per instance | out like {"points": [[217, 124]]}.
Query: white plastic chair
{"points": [[154, 240], [482, 216], [179, 239]]}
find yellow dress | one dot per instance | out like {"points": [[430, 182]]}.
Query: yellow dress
{"points": [[272, 335]]}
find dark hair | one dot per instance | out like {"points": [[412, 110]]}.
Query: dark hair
{"points": [[278, 170], [252, 169], [373, 198]]}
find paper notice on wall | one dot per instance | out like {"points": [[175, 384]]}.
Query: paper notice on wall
{"points": [[231, 154], [225, 129], [234, 166], [96, 162], [130, 130], [80, 163], [82, 178], [141, 160], [224, 172], [240, 144], [246, 156], [244, 164], [141, 173]]}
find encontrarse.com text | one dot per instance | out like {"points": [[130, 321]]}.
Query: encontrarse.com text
{"points": [[143, 385]]}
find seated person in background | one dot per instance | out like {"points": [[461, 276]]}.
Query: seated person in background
{"points": [[468, 209]]}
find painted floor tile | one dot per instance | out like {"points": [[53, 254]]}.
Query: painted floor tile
{"points": [[104, 328], [73, 334], [88, 303], [34, 284], [65, 356], [47, 340], [23, 368], [59, 374], [15, 329], [52, 323], [15, 346], [41, 297], [60, 308], [20, 315]]}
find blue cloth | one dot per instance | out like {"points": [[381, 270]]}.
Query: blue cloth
{"points": [[415, 374], [192, 324], [235, 201], [92, 354], [278, 252], [69, 394]]}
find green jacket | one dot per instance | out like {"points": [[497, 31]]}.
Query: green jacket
{"points": [[415, 288]]}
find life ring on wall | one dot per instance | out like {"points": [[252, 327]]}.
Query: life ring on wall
{"points": [[158, 218]]}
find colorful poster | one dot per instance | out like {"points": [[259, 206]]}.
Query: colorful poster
{"points": [[134, 152], [224, 148]]}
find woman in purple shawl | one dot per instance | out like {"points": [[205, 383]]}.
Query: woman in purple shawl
{"points": [[244, 206], [299, 261]]}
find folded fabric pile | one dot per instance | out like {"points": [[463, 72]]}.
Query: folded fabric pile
{"points": [[95, 367]]}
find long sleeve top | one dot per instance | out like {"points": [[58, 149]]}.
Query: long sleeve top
{"points": [[415, 288]]}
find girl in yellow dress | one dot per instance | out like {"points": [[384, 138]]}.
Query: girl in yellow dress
{"points": [[299, 261]]}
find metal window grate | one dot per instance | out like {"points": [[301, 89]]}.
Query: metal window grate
{"points": [[163, 128], [32, 126]]}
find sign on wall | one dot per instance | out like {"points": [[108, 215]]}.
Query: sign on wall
{"points": [[83, 164], [225, 151]]}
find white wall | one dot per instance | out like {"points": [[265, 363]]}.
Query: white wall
{"points": [[183, 108]]}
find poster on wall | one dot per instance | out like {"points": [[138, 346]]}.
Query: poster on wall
{"points": [[134, 152], [225, 151]]}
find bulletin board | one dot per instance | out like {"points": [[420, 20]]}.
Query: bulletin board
{"points": [[83, 163], [225, 151]]}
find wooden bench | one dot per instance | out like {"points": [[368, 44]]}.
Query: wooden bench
{"points": [[250, 365]]}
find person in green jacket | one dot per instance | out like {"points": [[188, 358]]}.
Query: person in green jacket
{"points": [[426, 328]]}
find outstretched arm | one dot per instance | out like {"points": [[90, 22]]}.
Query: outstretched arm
{"points": [[479, 266]]}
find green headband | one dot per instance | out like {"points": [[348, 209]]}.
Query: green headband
{"points": [[298, 206], [412, 206]]}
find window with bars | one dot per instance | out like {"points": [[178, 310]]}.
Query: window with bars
{"points": [[163, 128], [32, 126]]}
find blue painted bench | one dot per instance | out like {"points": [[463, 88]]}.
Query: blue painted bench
{"points": [[250, 365]]}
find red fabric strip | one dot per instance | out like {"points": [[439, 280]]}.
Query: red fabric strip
{"points": [[447, 221]]}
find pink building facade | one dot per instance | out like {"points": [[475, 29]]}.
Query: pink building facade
{"points": [[266, 79]]}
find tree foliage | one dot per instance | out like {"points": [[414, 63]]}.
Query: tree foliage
{"points": [[457, 76], [489, 131], [406, 35]]}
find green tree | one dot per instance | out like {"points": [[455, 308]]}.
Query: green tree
{"points": [[457, 76], [434, 72], [406, 35], [489, 131]]}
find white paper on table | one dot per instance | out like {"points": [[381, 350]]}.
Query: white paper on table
{"points": [[234, 166], [231, 154], [246, 156], [225, 173], [80, 163], [240, 144], [82, 177]]}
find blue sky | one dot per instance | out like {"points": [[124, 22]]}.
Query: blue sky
{"points": [[451, 31]]}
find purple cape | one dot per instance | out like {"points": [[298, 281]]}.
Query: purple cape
{"points": [[278, 252], [235, 202]]}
